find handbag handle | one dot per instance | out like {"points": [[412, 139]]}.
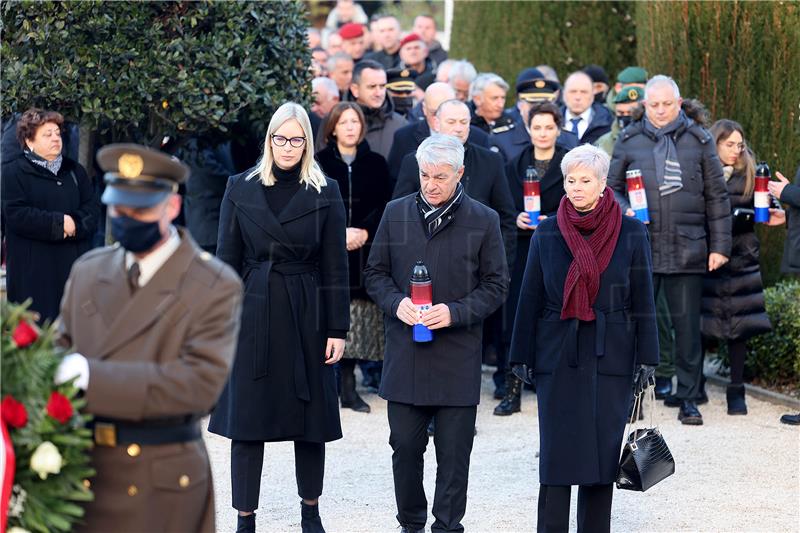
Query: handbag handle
{"points": [[635, 412]]}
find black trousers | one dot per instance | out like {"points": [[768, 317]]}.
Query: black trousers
{"points": [[594, 508], [247, 458], [683, 293], [408, 437]]}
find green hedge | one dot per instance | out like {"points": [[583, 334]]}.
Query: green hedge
{"points": [[505, 37], [741, 60]]}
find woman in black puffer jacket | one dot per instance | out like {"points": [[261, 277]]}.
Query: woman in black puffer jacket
{"points": [[733, 296]]}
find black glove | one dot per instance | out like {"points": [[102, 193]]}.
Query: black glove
{"points": [[643, 377], [522, 372]]}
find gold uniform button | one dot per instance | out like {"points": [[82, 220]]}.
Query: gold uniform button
{"points": [[134, 450], [133, 490], [183, 481]]}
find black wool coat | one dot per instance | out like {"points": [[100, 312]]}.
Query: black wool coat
{"points": [[294, 269], [467, 265], [733, 296], [484, 180], [791, 248], [35, 201], [365, 189], [552, 189], [584, 369], [408, 138], [687, 225]]}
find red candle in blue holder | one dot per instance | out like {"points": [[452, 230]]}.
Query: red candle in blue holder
{"points": [[532, 195], [422, 297], [761, 193], [637, 196]]}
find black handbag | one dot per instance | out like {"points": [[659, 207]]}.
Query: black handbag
{"points": [[645, 459]]}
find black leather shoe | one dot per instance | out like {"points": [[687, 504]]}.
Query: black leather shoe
{"points": [[246, 524], [349, 396], [406, 529], [663, 388], [735, 396], [689, 414], [512, 401], [792, 420], [309, 519]]}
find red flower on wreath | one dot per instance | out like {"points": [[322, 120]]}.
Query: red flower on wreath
{"points": [[14, 412], [24, 334], [59, 407]]}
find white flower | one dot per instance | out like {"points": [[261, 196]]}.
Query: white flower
{"points": [[46, 460], [17, 529], [16, 505]]}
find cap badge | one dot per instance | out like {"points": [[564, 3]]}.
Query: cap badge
{"points": [[633, 94], [404, 73], [130, 165], [539, 84]]}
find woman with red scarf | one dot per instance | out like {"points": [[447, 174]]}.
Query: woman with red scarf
{"points": [[586, 330]]}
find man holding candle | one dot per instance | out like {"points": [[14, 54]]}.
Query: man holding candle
{"points": [[458, 240], [690, 222]]}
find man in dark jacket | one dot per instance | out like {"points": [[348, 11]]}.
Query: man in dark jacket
{"points": [[789, 194], [484, 174], [588, 120], [690, 224], [408, 138], [387, 35], [458, 240]]}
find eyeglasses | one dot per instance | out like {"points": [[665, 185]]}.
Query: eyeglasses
{"points": [[738, 146], [295, 142]]}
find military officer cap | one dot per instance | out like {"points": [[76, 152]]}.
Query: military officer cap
{"points": [[632, 75], [138, 176], [532, 86], [401, 80], [629, 94]]}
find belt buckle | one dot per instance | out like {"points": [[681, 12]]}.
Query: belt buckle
{"points": [[105, 434]]}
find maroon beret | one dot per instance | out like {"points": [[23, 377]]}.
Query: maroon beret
{"points": [[410, 38], [351, 30]]}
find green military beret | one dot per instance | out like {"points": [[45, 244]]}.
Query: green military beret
{"points": [[632, 75], [629, 94]]}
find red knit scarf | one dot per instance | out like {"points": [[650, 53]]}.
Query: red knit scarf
{"points": [[590, 256]]}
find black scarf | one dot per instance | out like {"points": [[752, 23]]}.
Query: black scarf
{"points": [[431, 216], [53, 166]]}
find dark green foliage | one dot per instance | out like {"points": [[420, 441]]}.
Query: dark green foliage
{"points": [[505, 37], [741, 60], [149, 69]]}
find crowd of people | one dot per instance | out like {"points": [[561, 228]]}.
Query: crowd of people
{"points": [[407, 162]]}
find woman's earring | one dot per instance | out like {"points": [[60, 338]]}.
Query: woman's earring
{"points": [[601, 194]]}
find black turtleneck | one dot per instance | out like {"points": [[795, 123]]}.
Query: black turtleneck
{"points": [[287, 183]]}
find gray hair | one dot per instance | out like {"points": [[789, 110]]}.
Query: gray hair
{"points": [[462, 70], [587, 156], [660, 79], [335, 58], [448, 103], [483, 81], [323, 82], [441, 149]]}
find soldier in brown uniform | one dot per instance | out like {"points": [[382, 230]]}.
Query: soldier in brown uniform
{"points": [[153, 322]]}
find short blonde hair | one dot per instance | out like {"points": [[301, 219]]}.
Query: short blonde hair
{"points": [[310, 173], [587, 156]]}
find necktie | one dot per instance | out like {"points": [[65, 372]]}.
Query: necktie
{"points": [[133, 277], [575, 122]]}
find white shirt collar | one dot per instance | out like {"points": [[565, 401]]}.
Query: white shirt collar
{"points": [[152, 262], [585, 116]]}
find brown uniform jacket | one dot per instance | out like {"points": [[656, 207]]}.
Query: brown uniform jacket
{"points": [[163, 351]]}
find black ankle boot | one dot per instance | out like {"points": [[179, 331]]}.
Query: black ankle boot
{"points": [[350, 397], [310, 521], [736, 403], [511, 403], [246, 524]]}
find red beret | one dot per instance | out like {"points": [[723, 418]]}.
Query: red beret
{"points": [[410, 38], [351, 30]]}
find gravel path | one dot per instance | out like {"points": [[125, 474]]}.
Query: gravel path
{"points": [[732, 474]]}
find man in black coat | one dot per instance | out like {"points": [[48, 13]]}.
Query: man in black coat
{"points": [[586, 119], [484, 174], [789, 194], [690, 222], [408, 138], [458, 240]]}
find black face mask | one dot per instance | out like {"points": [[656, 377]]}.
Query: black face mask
{"points": [[623, 121], [600, 98], [402, 104], [134, 235]]}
